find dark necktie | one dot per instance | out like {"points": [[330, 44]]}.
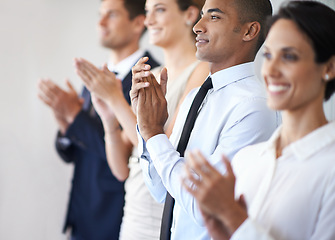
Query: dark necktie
{"points": [[183, 141]]}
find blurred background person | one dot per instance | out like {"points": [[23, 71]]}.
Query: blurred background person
{"points": [[287, 184], [169, 24], [96, 202]]}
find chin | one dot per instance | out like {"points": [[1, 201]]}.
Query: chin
{"points": [[275, 106], [201, 56]]}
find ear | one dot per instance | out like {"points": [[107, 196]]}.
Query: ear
{"points": [[330, 70], [138, 23], [191, 15], [252, 31]]}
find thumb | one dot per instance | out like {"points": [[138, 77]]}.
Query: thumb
{"points": [[105, 68], [242, 202], [164, 79], [70, 86], [81, 101]]}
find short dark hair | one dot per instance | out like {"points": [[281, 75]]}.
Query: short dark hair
{"points": [[134, 8], [255, 10], [316, 20]]}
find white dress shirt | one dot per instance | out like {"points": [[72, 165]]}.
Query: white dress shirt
{"points": [[292, 197], [234, 114], [123, 67]]}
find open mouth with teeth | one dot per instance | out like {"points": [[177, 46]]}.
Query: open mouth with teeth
{"points": [[277, 88]]}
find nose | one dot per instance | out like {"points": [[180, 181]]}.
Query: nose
{"points": [[271, 67], [149, 18], [103, 20], [199, 27]]}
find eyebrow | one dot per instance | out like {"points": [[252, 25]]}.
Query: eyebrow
{"points": [[212, 10], [285, 49]]}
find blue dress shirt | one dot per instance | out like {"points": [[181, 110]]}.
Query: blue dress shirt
{"points": [[233, 115]]}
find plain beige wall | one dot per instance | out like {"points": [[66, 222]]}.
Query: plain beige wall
{"points": [[40, 38]]}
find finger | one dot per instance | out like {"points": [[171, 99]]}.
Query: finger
{"points": [[106, 70], [140, 104], [90, 68], [85, 78], [140, 65], [45, 99], [134, 92], [157, 88], [47, 90], [70, 86], [163, 80], [188, 188], [242, 202], [192, 177], [140, 76], [151, 93], [190, 183], [200, 165], [138, 86], [81, 101], [228, 166], [82, 70]]}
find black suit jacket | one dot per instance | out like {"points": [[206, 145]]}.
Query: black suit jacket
{"points": [[96, 202]]}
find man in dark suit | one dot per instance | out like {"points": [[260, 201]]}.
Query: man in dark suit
{"points": [[96, 203]]}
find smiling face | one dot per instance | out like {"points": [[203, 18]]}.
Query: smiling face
{"points": [[165, 22], [219, 33], [115, 27], [293, 78]]}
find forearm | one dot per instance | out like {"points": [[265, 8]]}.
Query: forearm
{"points": [[125, 116], [170, 168], [118, 150]]}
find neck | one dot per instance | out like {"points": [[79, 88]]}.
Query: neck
{"points": [[299, 123], [243, 55], [117, 55]]}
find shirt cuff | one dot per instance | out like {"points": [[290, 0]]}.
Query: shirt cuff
{"points": [[250, 230], [63, 142], [158, 145], [141, 148]]}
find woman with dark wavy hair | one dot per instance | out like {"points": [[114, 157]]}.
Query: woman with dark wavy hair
{"points": [[283, 188]]}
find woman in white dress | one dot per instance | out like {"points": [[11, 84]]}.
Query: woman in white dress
{"points": [[285, 187], [169, 23]]}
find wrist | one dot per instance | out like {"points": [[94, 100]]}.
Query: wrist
{"points": [[71, 116], [233, 217], [151, 133]]}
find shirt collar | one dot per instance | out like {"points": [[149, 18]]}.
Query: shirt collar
{"points": [[308, 145], [314, 141], [123, 67], [227, 76]]}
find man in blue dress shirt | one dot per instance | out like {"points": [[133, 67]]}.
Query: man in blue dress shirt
{"points": [[233, 114]]}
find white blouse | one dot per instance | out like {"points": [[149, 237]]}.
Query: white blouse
{"points": [[292, 197]]}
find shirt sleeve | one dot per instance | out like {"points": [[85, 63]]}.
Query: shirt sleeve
{"points": [[249, 230], [85, 133], [251, 122], [150, 175]]}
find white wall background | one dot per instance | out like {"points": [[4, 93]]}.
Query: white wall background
{"points": [[40, 38]]}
